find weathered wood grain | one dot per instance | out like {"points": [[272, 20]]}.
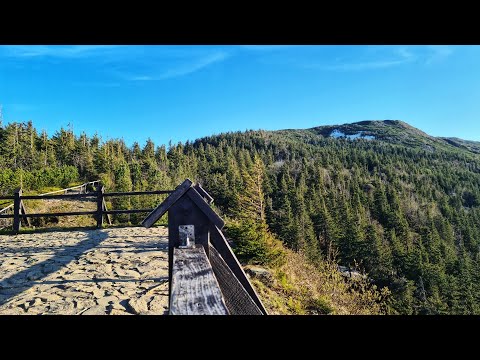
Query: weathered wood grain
{"points": [[238, 301], [221, 245], [194, 288]]}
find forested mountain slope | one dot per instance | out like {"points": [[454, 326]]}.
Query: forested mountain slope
{"points": [[378, 196]]}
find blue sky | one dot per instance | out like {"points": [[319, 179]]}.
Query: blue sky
{"points": [[181, 93]]}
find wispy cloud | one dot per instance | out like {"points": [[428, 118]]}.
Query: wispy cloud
{"points": [[382, 57], [60, 51], [362, 66], [183, 69], [397, 56], [130, 63]]}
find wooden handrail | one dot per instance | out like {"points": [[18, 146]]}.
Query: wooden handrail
{"points": [[71, 188], [194, 288], [6, 208], [20, 215]]}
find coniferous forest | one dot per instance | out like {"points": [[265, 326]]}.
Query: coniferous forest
{"points": [[379, 197]]}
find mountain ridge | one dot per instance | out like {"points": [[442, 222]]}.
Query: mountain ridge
{"points": [[392, 131]]}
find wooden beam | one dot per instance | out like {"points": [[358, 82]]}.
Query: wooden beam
{"points": [[7, 197], [207, 210], [99, 192], [238, 301], [23, 211], [220, 243], [195, 290], [16, 210], [106, 213], [161, 209], [203, 193]]}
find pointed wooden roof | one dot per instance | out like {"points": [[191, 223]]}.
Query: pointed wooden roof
{"points": [[187, 188]]}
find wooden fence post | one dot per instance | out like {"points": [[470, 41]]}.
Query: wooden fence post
{"points": [[100, 191], [16, 210]]}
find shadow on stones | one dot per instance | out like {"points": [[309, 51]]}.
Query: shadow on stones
{"points": [[136, 247], [155, 281], [25, 279]]}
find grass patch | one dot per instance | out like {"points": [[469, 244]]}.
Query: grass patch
{"points": [[300, 288]]}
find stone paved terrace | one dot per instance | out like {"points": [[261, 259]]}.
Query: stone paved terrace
{"points": [[117, 271]]}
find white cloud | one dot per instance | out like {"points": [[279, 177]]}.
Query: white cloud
{"points": [[131, 63], [201, 63], [61, 51], [388, 56], [184, 69]]}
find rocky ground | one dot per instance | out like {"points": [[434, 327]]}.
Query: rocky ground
{"points": [[118, 271]]}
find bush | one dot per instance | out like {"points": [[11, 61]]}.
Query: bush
{"points": [[254, 244]]}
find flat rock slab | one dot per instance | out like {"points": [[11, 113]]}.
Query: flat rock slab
{"points": [[117, 271]]}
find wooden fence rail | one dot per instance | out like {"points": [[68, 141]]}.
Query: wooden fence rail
{"points": [[205, 276], [20, 214], [4, 223]]}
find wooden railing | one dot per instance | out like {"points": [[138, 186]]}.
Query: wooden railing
{"points": [[99, 195], [82, 188], [195, 289], [205, 276], [4, 223]]}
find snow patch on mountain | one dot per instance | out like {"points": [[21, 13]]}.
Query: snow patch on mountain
{"points": [[338, 134]]}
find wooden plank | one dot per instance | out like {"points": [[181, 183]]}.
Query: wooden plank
{"points": [[202, 204], [185, 212], [99, 192], [6, 208], [23, 211], [195, 290], [238, 301], [105, 212], [70, 188], [221, 245], [7, 197], [161, 209], [16, 210], [203, 193], [7, 216], [133, 193]]}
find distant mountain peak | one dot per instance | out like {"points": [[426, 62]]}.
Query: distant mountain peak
{"points": [[391, 131]]}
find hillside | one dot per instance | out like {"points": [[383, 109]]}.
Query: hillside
{"points": [[391, 131], [378, 197]]}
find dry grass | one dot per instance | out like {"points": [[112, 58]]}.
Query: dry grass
{"points": [[300, 288], [52, 206]]}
